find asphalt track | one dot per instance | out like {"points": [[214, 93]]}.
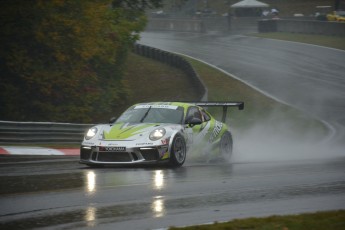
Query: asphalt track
{"points": [[55, 192]]}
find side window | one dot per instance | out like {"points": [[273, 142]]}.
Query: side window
{"points": [[193, 112], [205, 115]]}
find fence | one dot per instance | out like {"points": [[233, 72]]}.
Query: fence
{"points": [[68, 133]]}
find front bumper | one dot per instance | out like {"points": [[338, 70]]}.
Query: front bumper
{"points": [[93, 155]]}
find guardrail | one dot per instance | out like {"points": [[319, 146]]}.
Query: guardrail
{"points": [[41, 132]]}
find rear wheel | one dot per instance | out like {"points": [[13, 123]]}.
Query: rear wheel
{"points": [[178, 151], [225, 146]]}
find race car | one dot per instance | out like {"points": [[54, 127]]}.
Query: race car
{"points": [[158, 132], [337, 16]]}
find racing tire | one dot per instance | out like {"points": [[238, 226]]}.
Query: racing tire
{"points": [[225, 146], [178, 151]]}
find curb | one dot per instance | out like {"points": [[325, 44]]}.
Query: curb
{"points": [[3, 151], [25, 150]]}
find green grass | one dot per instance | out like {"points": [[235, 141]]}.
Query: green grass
{"points": [[334, 220], [336, 42], [151, 80]]}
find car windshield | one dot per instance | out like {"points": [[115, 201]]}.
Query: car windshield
{"points": [[152, 114]]}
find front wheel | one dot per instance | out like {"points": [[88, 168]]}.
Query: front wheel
{"points": [[178, 151], [225, 146]]}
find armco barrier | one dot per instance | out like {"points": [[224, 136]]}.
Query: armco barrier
{"points": [[68, 133], [41, 132]]}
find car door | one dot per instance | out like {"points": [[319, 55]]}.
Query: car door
{"points": [[197, 133]]}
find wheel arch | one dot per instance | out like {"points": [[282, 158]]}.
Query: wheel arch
{"points": [[172, 138]]}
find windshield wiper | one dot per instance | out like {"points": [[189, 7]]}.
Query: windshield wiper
{"points": [[145, 115]]}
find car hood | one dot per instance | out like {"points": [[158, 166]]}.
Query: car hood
{"points": [[123, 131]]}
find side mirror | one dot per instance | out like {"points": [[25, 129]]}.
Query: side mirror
{"points": [[194, 121], [112, 120]]}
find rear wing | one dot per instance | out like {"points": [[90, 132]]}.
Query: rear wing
{"points": [[225, 106]]}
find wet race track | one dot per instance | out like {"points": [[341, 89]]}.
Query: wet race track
{"points": [[61, 194], [56, 192]]}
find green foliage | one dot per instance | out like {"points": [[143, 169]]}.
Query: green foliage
{"points": [[63, 60]]}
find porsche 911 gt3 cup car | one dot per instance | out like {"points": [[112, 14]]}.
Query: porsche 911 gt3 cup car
{"points": [[158, 132]]}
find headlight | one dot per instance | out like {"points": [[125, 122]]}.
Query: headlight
{"points": [[157, 134], [91, 133]]}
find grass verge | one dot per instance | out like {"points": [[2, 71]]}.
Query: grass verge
{"points": [[151, 80], [334, 220]]}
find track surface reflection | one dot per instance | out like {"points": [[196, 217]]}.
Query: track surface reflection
{"points": [[39, 194]]}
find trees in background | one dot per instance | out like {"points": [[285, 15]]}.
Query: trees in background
{"points": [[62, 60]]}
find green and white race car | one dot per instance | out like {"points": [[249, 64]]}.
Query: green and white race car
{"points": [[158, 132]]}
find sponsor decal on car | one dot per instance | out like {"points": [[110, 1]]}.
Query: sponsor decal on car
{"points": [[112, 149], [88, 143], [216, 131], [148, 143], [165, 141]]}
